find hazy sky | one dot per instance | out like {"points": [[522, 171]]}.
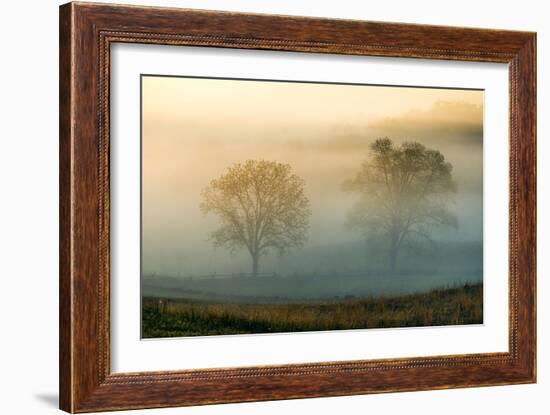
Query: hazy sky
{"points": [[194, 129]]}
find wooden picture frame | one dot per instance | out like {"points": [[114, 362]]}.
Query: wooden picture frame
{"points": [[86, 33]]}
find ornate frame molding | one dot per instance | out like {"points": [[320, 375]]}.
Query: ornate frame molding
{"points": [[86, 33]]}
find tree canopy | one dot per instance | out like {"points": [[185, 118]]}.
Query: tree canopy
{"points": [[262, 207], [404, 191]]}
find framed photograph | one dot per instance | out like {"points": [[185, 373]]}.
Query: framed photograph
{"points": [[258, 207]]}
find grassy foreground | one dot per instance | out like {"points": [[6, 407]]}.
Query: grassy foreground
{"points": [[175, 318]]}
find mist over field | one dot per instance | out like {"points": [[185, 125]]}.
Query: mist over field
{"points": [[195, 129]]}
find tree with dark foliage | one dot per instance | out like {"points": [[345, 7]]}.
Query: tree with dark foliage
{"points": [[404, 192]]}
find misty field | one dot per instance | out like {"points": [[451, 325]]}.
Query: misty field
{"points": [[366, 213], [186, 317]]}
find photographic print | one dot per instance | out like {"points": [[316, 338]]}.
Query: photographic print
{"points": [[286, 206]]}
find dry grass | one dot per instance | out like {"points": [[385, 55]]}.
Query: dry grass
{"points": [[452, 306]]}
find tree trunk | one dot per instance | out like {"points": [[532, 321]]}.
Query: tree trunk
{"points": [[393, 259], [394, 250], [255, 260]]}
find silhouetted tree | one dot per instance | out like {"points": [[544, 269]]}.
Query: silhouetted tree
{"points": [[404, 192], [262, 207]]}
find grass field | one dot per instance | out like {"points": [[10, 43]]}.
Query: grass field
{"points": [[163, 317]]}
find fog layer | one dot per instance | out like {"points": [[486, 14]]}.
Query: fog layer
{"points": [[194, 129]]}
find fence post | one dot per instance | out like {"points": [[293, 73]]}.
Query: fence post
{"points": [[161, 306]]}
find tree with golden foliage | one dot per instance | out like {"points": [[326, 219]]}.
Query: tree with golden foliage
{"points": [[262, 208]]}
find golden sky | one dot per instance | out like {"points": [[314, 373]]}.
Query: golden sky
{"points": [[166, 98]]}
